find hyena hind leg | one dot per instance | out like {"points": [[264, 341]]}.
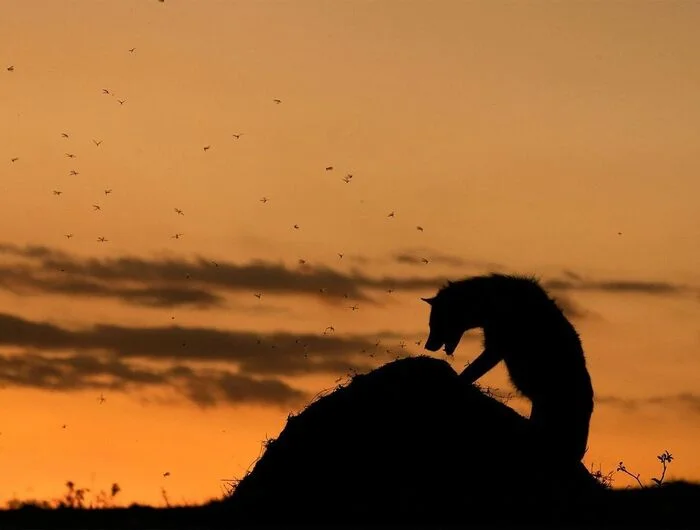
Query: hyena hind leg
{"points": [[560, 433]]}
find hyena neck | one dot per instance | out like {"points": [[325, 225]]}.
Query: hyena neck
{"points": [[482, 301]]}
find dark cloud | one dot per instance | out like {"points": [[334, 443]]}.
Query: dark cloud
{"points": [[686, 400], [171, 282], [25, 281], [415, 257], [87, 372], [263, 354], [570, 308], [683, 402], [619, 286], [29, 251], [571, 274], [107, 357]]}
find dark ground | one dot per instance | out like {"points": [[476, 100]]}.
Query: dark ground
{"points": [[405, 445]]}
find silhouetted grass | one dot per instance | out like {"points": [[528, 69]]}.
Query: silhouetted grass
{"points": [[73, 498]]}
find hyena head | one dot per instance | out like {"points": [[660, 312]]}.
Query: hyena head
{"points": [[450, 317]]}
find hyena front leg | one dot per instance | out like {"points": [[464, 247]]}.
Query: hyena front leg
{"points": [[482, 364]]}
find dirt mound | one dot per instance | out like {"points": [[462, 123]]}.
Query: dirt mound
{"points": [[407, 443]]}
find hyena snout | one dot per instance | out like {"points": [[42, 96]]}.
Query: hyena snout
{"points": [[433, 343]]}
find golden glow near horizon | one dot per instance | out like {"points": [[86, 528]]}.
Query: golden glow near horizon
{"points": [[548, 138]]}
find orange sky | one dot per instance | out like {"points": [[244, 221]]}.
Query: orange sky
{"points": [[523, 137]]}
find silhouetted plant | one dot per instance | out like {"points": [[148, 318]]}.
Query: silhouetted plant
{"points": [[230, 485], [165, 496], [74, 498], [16, 504], [665, 458], [105, 500], [495, 393], [267, 442], [604, 479]]}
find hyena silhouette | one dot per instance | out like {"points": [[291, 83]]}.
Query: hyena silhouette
{"points": [[542, 352]]}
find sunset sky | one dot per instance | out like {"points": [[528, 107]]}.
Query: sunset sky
{"points": [[550, 138]]}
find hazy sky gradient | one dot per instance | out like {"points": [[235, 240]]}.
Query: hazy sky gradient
{"points": [[548, 138]]}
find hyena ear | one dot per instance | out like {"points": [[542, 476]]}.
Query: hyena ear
{"points": [[428, 300]]}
